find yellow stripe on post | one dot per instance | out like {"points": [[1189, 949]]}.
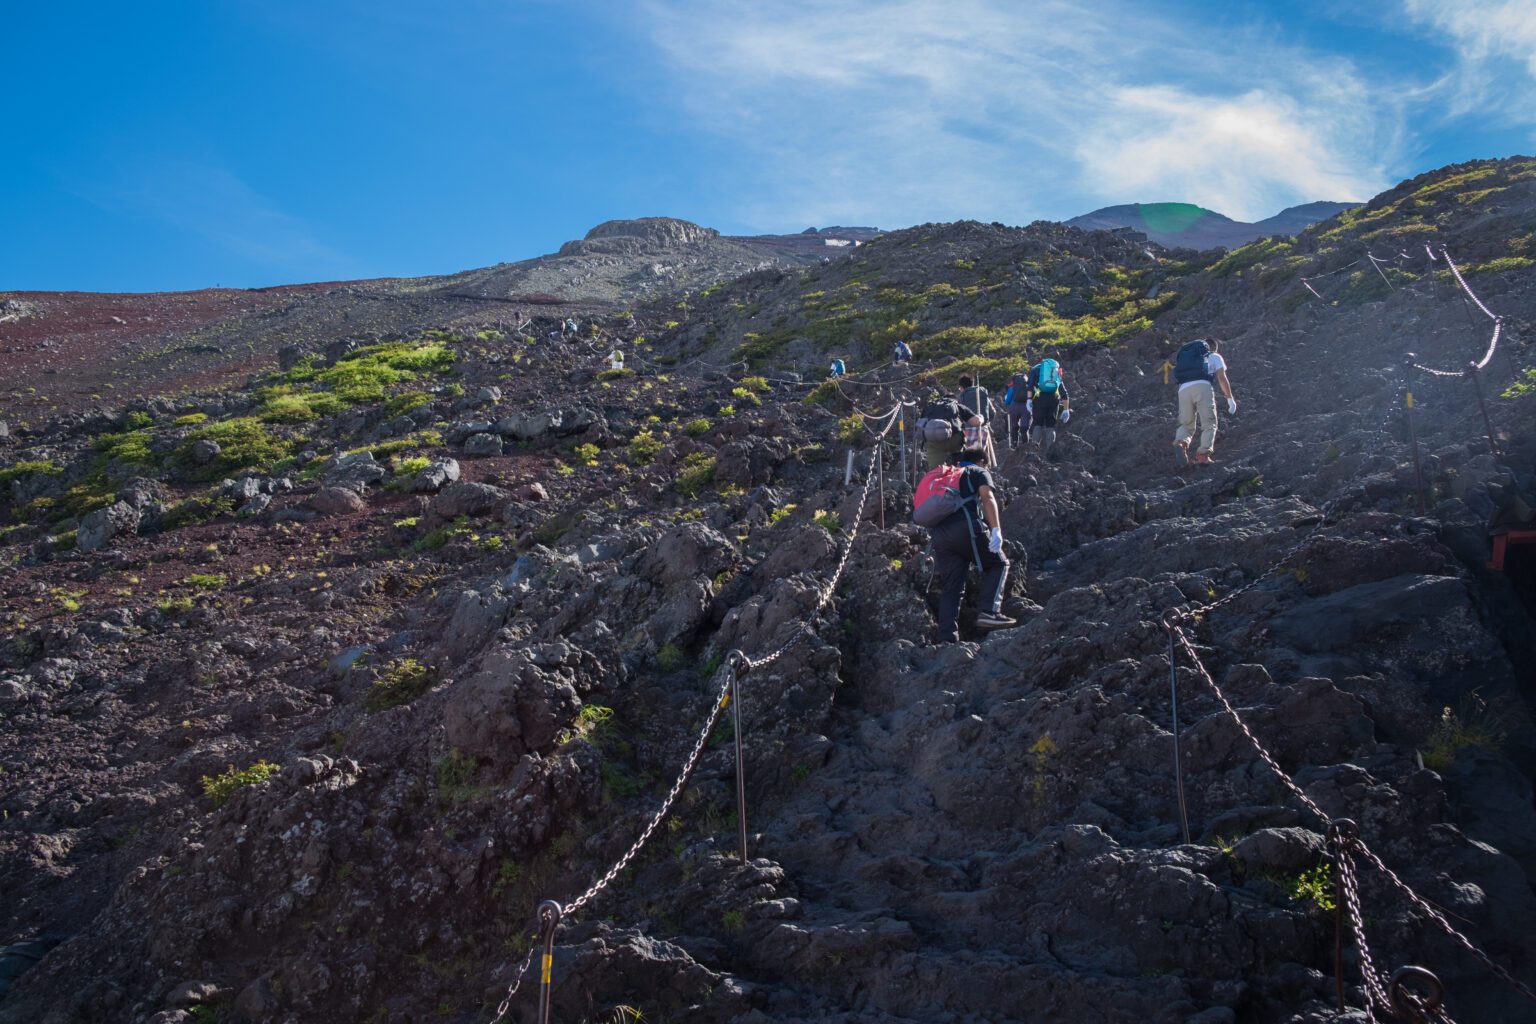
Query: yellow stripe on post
{"points": [[547, 966]]}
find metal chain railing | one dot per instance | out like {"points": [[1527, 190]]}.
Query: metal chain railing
{"points": [[736, 662], [1344, 840]]}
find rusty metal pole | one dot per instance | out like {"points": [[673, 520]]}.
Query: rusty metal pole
{"points": [[549, 918], [880, 468], [741, 767], [1178, 761], [1483, 405]]}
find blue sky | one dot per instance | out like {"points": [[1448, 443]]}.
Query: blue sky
{"points": [[185, 144]]}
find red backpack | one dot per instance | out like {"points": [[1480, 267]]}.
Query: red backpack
{"points": [[938, 496]]}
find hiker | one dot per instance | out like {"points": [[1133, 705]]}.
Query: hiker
{"points": [[837, 368], [569, 328], [1049, 403], [1198, 368], [615, 360], [956, 502], [941, 427], [903, 352], [974, 398], [1017, 404]]}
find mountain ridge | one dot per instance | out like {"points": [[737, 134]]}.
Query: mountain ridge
{"points": [[1186, 225]]}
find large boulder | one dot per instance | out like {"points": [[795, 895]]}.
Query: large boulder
{"points": [[687, 551], [355, 472], [507, 709], [482, 444], [99, 527], [463, 498], [335, 501], [439, 474]]}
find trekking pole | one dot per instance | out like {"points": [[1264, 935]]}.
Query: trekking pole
{"points": [[549, 917], [1477, 381]]}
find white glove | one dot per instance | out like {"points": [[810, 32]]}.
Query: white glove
{"points": [[1066, 414], [1029, 403], [995, 540], [1232, 406]]}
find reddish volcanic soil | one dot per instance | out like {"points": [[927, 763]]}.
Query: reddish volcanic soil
{"points": [[77, 350]]}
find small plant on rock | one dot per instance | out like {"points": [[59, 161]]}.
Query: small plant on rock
{"points": [[402, 683], [1315, 886], [644, 447], [697, 473], [224, 785]]}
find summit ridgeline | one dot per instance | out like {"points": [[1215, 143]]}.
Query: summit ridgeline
{"points": [[351, 622]]}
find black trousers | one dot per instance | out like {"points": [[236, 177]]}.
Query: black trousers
{"points": [[958, 545]]}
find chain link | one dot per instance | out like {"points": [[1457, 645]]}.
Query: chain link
{"points": [[517, 980], [602, 883], [735, 661], [1445, 926], [824, 596], [1375, 988], [1173, 624]]}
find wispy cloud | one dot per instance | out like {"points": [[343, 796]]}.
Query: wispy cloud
{"points": [[890, 112], [211, 202], [1495, 47]]}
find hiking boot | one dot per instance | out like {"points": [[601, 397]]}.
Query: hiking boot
{"points": [[1203, 459], [991, 620], [1182, 447]]}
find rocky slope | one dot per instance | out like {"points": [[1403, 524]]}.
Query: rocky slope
{"points": [[74, 352], [316, 686], [1185, 225]]}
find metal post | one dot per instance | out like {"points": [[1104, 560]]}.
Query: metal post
{"points": [[1483, 405], [901, 425], [880, 468], [741, 768], [848, 471], [1413, 436], [1178, 763], [549, 918]]}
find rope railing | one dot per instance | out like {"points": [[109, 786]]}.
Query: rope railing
{"points": [[551, 914]]}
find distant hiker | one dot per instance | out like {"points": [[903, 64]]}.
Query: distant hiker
{"points": [[615, 360], [838, 369], [941, 428], [1198, 368], [570, 327], [1016, 403], [903, 352], [1049, 403], [956, 502]]}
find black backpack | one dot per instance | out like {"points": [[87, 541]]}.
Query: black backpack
{"points": [[1193, 362], [938, 423]]}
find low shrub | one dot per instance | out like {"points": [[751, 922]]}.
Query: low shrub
{"points": [[400, 684], [224, 785]]}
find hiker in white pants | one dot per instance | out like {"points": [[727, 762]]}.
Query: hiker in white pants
{"points": [[1199, 370]]}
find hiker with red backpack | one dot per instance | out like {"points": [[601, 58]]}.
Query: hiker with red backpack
{"points": [[956, 502], [1198, 369], [1049, 403]]}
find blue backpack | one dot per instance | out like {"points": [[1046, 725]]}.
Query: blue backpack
{"points": [[1193, 362], [1049, 374]]}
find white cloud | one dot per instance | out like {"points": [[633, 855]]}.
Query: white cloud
{"points": [[888, 113], [1495, 46]]}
